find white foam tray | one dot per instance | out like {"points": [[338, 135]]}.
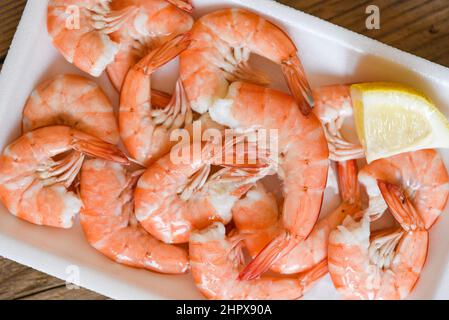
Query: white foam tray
{"points": [[330, 54]]}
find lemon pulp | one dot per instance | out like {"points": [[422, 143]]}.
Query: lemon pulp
{"points": [[392, 118]]}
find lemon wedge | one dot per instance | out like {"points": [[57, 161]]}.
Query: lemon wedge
{"points": [[392, 118]]}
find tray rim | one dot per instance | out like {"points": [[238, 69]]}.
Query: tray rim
{"points": [[14, 249]]}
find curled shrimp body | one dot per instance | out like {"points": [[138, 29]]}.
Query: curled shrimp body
{"points": [[37, 170], [80, 31], [73, 101], [95, 34], [383, 265], [333, 104], [153, 23], [256, 218], [215, 263], [313, 250], [174, 198], [421, 174], [145, 129], [303, 159], [222, 42], [108, 220]]}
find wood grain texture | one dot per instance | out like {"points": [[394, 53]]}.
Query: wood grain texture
{"points": [[21, 282], [10, 13], [420, 27]]}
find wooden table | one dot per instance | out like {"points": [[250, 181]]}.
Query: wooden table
{"points": [[420, 27]]}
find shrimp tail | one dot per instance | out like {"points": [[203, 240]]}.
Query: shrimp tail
{"points": [[163, 54], [296, 79], [159, 99], [311, 276], [347, 181], [400, 206], [276, 249], [185, 5], [97, 148]]}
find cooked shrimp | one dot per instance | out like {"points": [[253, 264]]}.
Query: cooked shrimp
{"points": [[37, 169], [174, 198], [385, 265], [421, 174], [154, 23], [185, 5], [303, 160], [313, 250], [95, 34], [215, 261], [73, 101], [333, 104], [80, 31], [108, 220], [222, 42], [146, 130], [159, 99], [256, 217]]}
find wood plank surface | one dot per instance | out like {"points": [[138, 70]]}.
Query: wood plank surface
{"points": [[21, 282], [420, 27]]}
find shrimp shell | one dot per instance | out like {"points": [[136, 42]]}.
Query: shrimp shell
{"points": [[73, 101], [37, 170], [108, 220]]}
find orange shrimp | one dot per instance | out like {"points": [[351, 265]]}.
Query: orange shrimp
{"points": [[421, 174], [73, 101], [95, 34], [174, 198], [333, 104], [146, 130], [303, 160], [222, 42], [108, 220], [154, 23], [185, 5], [37, 170], [256, 217], [80, 31], [313, 250], [384, 265], [216, 259]]}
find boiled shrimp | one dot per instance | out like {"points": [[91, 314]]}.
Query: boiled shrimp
{"points": [[37, 170], [146, 130], [256, 218], [215, 262], [185, 5], [222, 42], [174, 198], [421, 174], [154, 23], [96, 34], [73, 101], [383, 265], [303, 160], [333, 104], [108, 220]]}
